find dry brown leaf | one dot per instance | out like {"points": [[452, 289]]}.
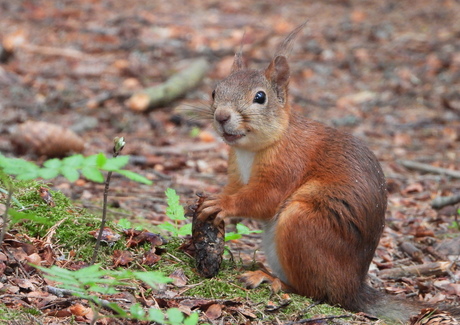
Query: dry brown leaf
{"points": [[150, 257], [79, 310], [122, 258], [34, 259], [108, 235], [214, 311], [179, 278]]}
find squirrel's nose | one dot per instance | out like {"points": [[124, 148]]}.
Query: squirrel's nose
{"points": [[222, 117]]}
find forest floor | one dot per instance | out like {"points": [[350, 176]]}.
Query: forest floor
{"points": [[386, 71]]}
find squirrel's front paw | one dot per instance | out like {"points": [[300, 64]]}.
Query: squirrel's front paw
{"points": [[210, 207]]}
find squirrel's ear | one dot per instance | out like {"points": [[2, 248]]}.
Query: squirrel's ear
{"points": [[278, 75], [238, 62]]}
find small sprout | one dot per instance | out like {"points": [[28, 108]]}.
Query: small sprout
{"points": [[119, 144]]}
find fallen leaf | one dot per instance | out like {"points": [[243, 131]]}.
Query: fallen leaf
{"points": [[150, 258], [108, 235], [179, 278], [214, 311], [34, 259], [122, 258], [79, 310]]}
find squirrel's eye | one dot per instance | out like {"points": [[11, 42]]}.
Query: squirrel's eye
{"points": [[260, 97], [213, 94]]}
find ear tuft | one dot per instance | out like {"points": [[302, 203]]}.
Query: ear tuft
{"points": [[278, 74], [238, 62]]}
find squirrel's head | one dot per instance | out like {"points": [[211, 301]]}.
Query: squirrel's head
{"points": [[250, 107]]}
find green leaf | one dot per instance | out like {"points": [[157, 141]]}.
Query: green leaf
{"points": [[101, 159], [24, 170], [242, 229], [134, 176], [53, 163], [232, 236], [185, 230], [48, 173], [116, 163], [169, 227], [175, 316], [156, 315], [93, 174], [124, 223], [90, 161], [70, 173], [174, 211], [105, 290], [75, 161], [17, 216], [137, 311], [120, 311], [192, 319], [152, 278]]}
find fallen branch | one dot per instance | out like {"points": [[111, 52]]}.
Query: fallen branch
{"points": [[318, 319], [427, 269], [429, 169], [410, 249], [175, 87], [442, 201], [54, 51]]}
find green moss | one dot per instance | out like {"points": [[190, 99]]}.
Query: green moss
{"points": [[67, 226], [10, 315]]}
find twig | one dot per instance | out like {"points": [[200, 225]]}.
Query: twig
{"points": [[5, 214], [314, 320], [434, 268], [442, 201], [54, 51], [70, 293], [119, 143], [429, 169]]}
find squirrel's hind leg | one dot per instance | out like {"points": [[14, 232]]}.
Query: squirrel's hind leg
{"points": [[253, 279]]}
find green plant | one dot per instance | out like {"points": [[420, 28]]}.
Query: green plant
{"points": [[119, 144], [175, 212], [70, 167], [86, 282], [240, 231]]}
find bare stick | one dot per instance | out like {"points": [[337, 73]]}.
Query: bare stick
{"points": [[429, 169]]}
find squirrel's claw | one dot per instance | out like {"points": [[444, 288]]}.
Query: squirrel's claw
{"points": [[209, 208]]}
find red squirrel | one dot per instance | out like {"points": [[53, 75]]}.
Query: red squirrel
{"points": [[319, 193]]}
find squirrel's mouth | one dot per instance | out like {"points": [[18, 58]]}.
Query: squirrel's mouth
{"points": [[232, 137]]}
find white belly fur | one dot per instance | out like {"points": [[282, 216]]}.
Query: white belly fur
{"points": [[269, 245], [245, 160]]}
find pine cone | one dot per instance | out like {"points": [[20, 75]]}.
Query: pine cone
{"points": [[431, 316], [46, 139]]}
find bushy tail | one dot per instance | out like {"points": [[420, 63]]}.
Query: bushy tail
{"points": [[396, 309]]}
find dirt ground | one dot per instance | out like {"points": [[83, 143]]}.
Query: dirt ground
{"points": [[386, 71]]}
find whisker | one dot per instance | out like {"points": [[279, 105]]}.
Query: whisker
{"points": [[196, 112]]}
